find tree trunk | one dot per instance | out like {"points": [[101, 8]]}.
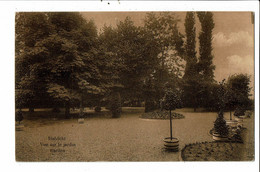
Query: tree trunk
{"points": [[230, 115], [195, 109], [67, 109], [115, 105], [139, 103], [81, 107]]}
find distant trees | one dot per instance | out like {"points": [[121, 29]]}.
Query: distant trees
{"points": [[163, 28], [198, 80], [62, 61], [136, 50], [132, 51], [146, 57], [239, 91], [232, 94]]}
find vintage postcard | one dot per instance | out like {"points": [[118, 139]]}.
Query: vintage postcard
{"points": [[109, 86], [135, 85]]}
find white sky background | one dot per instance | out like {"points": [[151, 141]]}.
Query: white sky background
{"points": [[233, 43], [7, 148]]}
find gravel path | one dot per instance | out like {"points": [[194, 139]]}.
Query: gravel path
{"points": [[128, 138]]}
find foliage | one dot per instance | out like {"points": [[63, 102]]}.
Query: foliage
{"points": [[236, 137], [149, 93], [221, 96], [239, 91], [150, 105], [137, 52], [191, 84], [163, 27], [115, 104], [56, 58], [171, 100], [190, 44], [18, 116], [131, 51], [198, 83], [239, 112], [56, 110], [97, 109], [206, 67], [220, 126]]}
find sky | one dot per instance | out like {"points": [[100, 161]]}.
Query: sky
{"points": [[233, 38]]}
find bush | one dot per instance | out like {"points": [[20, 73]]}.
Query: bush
{"points": [[220, 126], [19, 116], [97, 109], [115, 105], [150, 105], [239, 112], [239, 87], [56, 110], [171, 100]]}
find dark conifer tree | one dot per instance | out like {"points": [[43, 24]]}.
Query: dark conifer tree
{"points": [[206, 66], [190, 45], [191, 86]]}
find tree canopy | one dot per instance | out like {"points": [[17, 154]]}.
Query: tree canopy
{"points": [[62, 61], [58, 55]]}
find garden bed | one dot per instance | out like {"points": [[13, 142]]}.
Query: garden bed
{"points": [[161, 115], [213, 151]]}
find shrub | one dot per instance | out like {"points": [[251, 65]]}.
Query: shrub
{"points": [[19, 116], [150, 105], [171, 100], [97, 109], [220, 126], [115, 105], [56, 110], [239, 87], [239, 112]]}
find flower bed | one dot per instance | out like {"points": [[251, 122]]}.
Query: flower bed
{"points": [[212, 151], [161, 115]]}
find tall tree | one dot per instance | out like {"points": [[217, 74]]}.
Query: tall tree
{"points": [[60, 57], [239, 91], [133, 51], [191, 85], [206, 66], [30, 28], [164, 30], [190, 45]]}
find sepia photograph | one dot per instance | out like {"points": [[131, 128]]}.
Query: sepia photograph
{"points": [[134, 86]]}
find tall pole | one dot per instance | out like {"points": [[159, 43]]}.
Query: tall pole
{"points": [[171, 123]]}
